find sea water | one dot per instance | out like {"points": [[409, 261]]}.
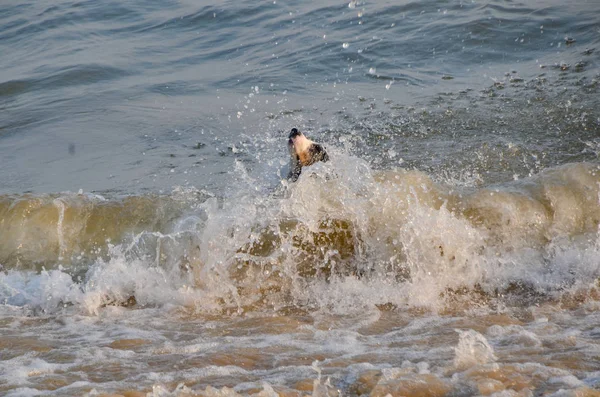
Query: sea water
{"points": [[151, 246]]}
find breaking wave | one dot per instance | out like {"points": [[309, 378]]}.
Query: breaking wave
{"points": [[344, 237]]}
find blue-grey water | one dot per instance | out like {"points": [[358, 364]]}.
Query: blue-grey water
{"points": [[150, 243]]}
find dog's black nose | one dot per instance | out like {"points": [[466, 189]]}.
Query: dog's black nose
{"points": [[294, 133]]}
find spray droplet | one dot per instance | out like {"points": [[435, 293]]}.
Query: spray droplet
{"points": [[372, 70], [346, 45], [352, 4]]}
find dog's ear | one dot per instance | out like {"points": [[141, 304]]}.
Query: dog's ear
{"points": [[318, 153]]}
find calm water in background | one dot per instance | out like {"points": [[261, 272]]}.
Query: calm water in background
{"points": [[148, 244]]}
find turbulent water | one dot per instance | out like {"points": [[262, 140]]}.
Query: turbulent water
{"points": [[151, 245]]}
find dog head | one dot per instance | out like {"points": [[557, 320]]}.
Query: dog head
{"points": [[303, 152]]}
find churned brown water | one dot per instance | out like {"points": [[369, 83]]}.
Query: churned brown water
{"points": [[150, 245], [390, 283]]}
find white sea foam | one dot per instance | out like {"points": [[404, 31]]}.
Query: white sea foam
{"points": [[400, 239], [46, 290], [473, 348], [515, 334]]}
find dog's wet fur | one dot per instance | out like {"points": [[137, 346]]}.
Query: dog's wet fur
{"points": [[303, 152]]}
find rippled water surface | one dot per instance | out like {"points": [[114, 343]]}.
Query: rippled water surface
{"points": [[151, 245]]}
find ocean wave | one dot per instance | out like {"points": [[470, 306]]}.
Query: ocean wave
{"points": [[341, 234]]}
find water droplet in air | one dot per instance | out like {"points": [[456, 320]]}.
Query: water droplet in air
{"points": [[387, 86], [346, 45], [372, 71], [352, 4]]}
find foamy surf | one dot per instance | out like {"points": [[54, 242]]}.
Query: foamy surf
{"points": [[337, 230], [350, 266], [449, 247]]}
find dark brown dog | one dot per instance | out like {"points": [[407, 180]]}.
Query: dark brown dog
{"points": [[303, 152]]}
